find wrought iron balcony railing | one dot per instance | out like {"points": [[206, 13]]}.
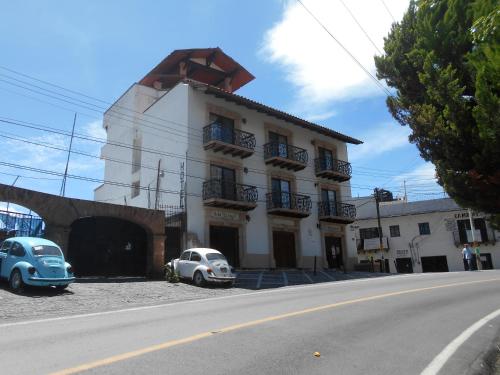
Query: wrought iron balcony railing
{"points": [[333, 168], [218, 132], [346, 212], [216, 188], [278, 200], [285, 151]]}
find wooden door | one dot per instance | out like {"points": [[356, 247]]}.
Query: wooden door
{"points": [[284, 249]]}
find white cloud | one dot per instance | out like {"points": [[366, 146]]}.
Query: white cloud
{"points": [[314, 62], [319, 116], [94, 129], [386, 137]]}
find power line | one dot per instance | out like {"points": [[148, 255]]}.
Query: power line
{"points": [[361, 27], [380, 85], [387, 9]]}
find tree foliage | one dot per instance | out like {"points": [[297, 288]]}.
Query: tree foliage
{"points": [[443, 60]]}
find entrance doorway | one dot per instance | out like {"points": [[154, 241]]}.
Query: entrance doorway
{"points": [[486, 261], [403, 265], [333, 248], [284, 249], [106, 246], [226, 240], [434, 264]]}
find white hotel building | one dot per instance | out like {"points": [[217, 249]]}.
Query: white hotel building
{"points": [[264, 187]]}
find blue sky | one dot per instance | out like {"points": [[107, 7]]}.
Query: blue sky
{"points": [[100, 48]]}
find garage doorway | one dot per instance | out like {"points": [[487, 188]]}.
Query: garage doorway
{"points": [[226, 240], [434, 264], [284, 249], [404, 265], [333, 249], [104, 246], [486, 261]]}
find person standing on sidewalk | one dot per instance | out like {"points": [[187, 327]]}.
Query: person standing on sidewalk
{"points": [[477, 252], [467, 255]]}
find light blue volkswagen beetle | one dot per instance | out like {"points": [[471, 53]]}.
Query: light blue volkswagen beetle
{"points": [[34, 261]]}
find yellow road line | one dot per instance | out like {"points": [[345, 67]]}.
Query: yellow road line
{"points": [[186, 340]]}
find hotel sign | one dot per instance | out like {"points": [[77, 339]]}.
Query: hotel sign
{"points": [[224, 215]]}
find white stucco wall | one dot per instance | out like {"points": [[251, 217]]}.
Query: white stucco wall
{"points": [[439, 243]]}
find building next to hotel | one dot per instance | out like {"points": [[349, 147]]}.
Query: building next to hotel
{"points": [[421, 236], [264, 187]]}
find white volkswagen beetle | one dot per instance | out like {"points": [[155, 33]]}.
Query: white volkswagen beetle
{"points": [[203, 265]]}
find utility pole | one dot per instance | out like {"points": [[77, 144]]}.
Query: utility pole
{"points": [[404, 184], [63, 185], [472, 229], [157, 184], [376, 193]]}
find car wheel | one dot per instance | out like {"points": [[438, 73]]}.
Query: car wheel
{"points": [[61, 287], [16, 281], [198, 279]]}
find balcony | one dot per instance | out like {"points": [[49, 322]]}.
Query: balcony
{"points": [[288, 204], [224, 139], [228, 194], [285, 156], [333, 169], [336, 212]]}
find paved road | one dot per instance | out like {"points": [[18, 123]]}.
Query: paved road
{"points": [[394, 325]]}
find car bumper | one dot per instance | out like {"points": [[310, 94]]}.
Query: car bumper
{"points": [[45, 281], [221, 279]]}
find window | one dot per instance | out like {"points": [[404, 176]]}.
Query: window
{"points": [[195, 257], [464, 231], [224, 182], [424, 228], [215, 256], [281, 142], [281, 193], [326, 158], [136, 155], [394, 229], [222, 129], [367, 233], [136, 188], [5, 246], [42, 250], [329, 202], [17, 250], [185, 255]]}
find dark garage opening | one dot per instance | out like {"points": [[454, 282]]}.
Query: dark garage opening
{"points": [[104, 246], [434, 264]]}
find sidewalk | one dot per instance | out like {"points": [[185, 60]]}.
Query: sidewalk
{"points": [[264, 279]]}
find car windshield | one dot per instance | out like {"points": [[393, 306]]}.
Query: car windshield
{"points": [[46, 250], [215, 256]]}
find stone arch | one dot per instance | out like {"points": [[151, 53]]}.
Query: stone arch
{"points": [[59, 213]]}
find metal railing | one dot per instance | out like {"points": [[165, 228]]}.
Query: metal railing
{"points": [[337, 209], [291, 201], [335, 165], [218, 132], [229, 190], [283, 150]]}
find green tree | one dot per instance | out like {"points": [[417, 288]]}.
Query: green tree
{"points": [[443, 60]]}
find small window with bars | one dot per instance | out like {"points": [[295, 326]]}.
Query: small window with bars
{"points": [[424, 228], [394, 230]]}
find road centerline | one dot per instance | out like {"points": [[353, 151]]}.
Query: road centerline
{"points": [[153, 348]]}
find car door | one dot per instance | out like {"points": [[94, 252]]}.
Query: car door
{"points": [[194, 262], [182, 263], [14, 255], [3, 256]]}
